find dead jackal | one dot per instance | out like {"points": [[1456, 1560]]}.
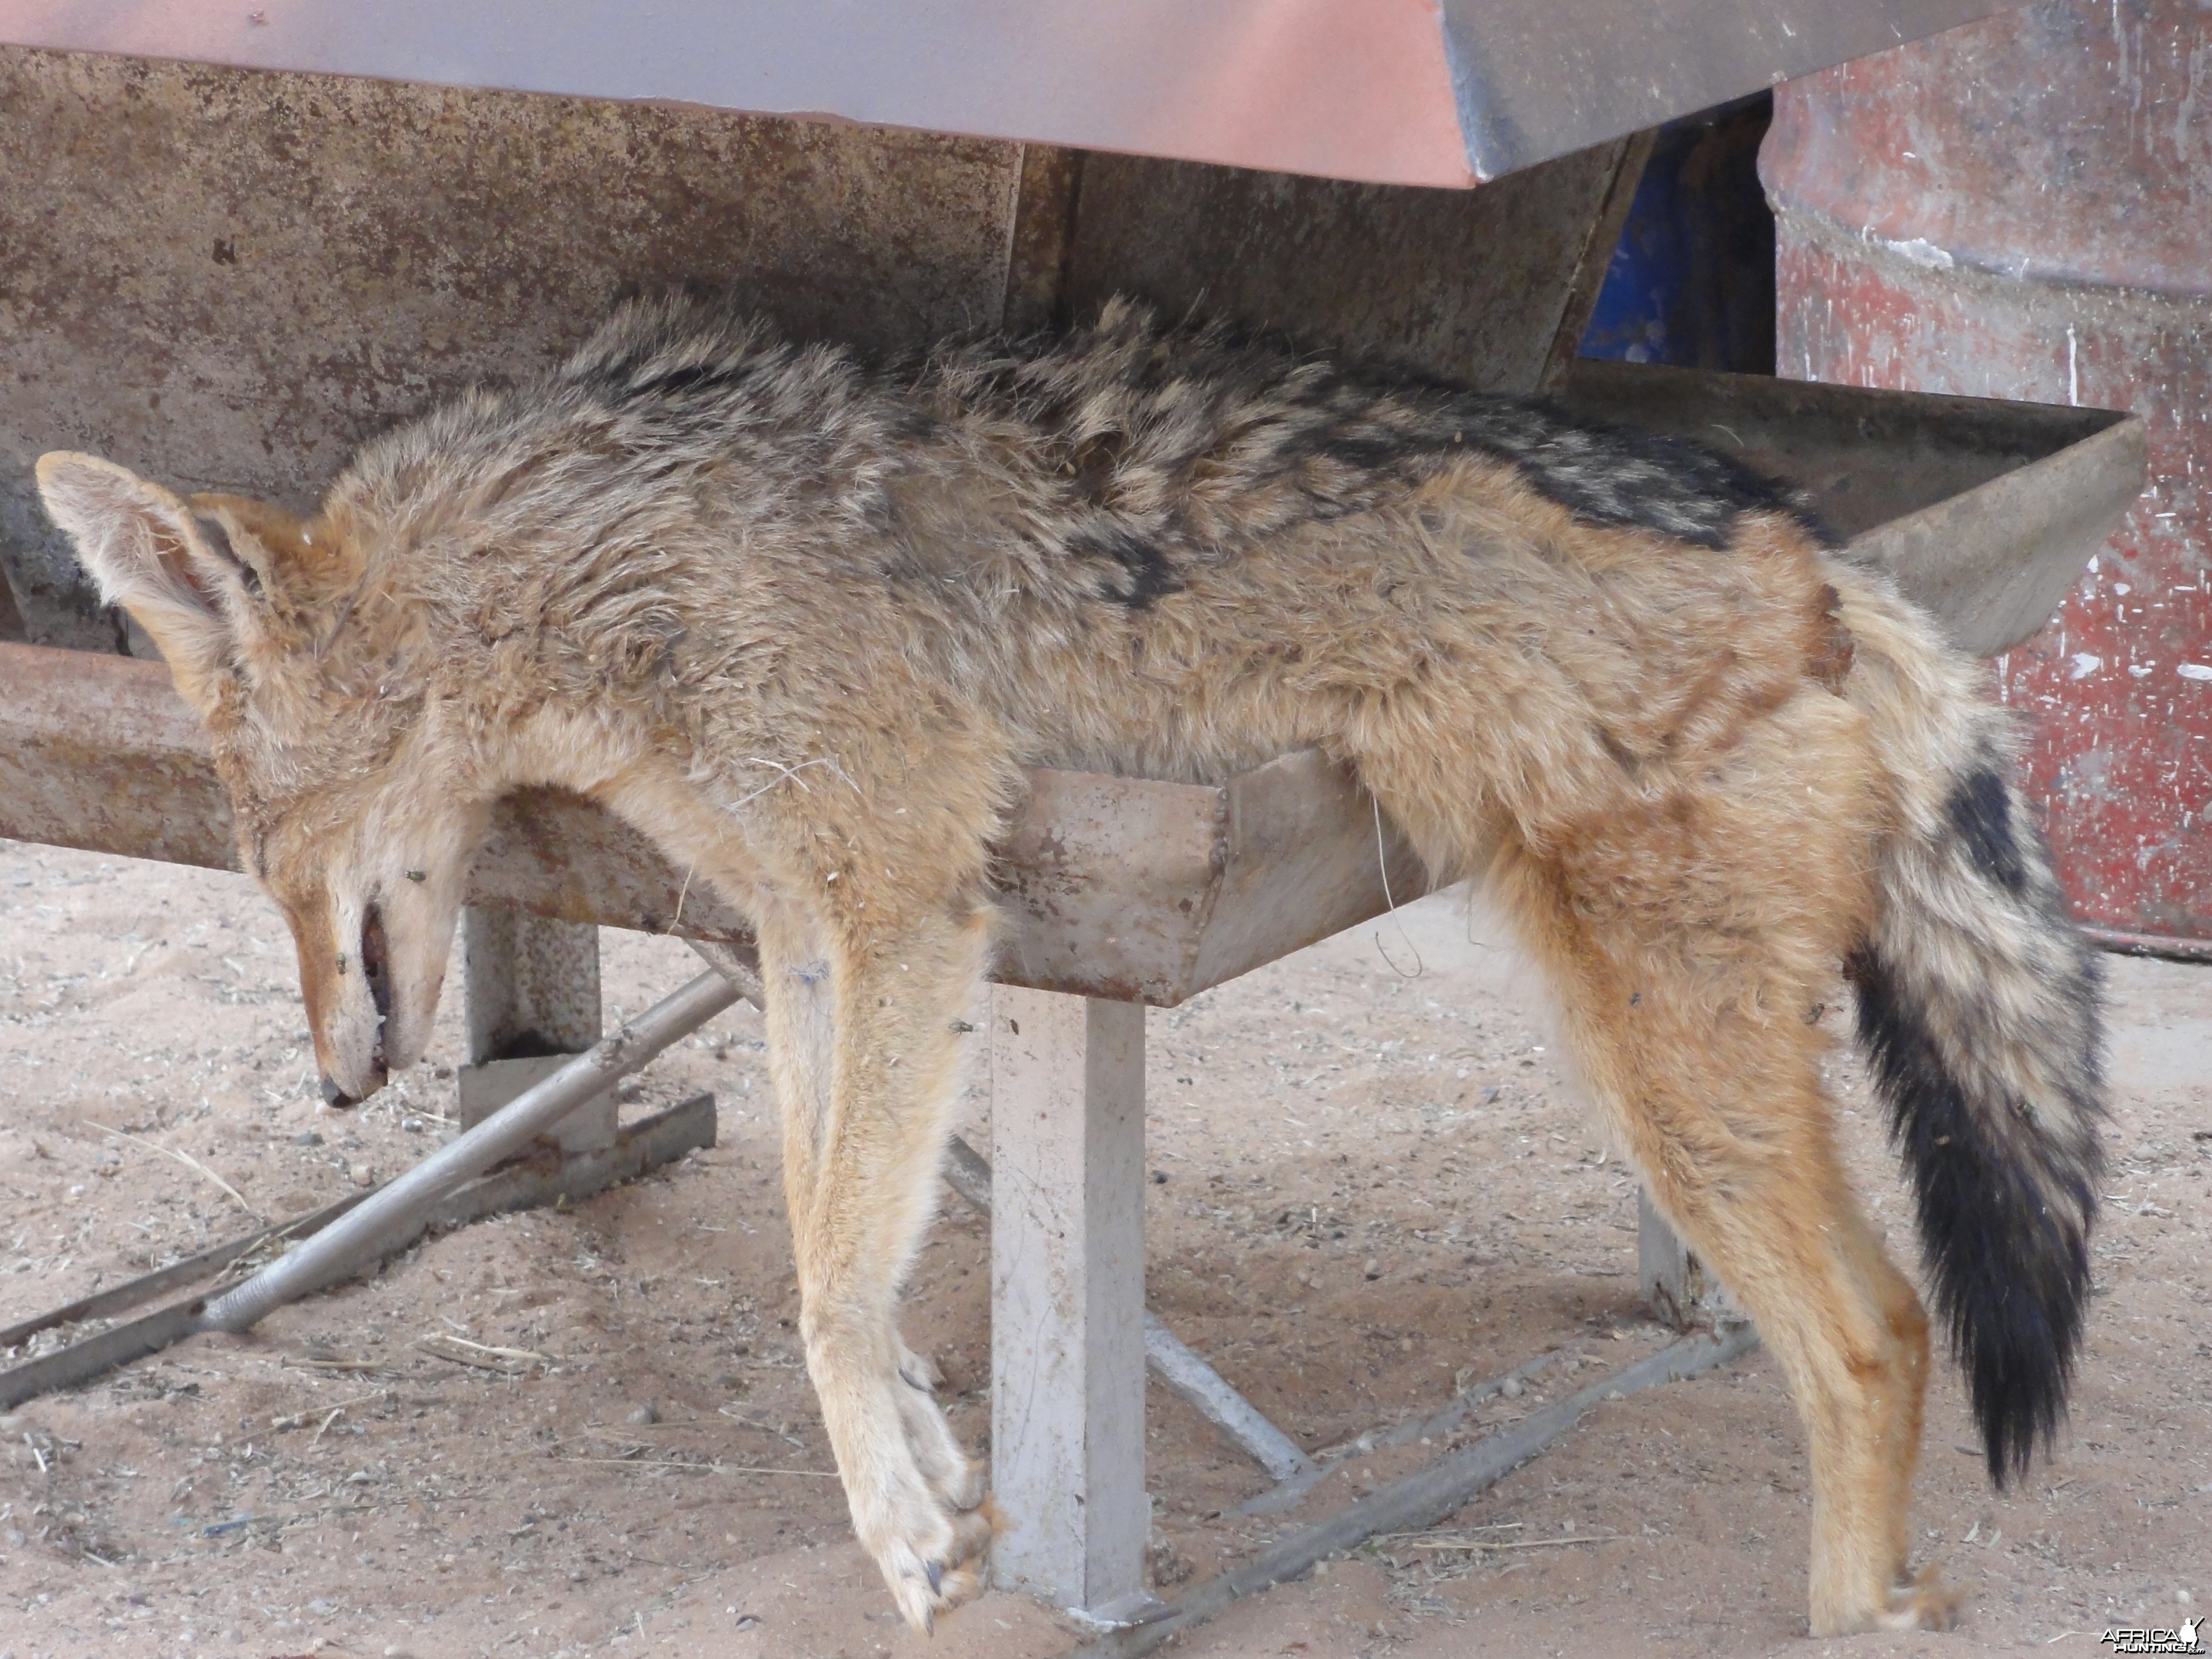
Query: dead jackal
{"points": [[804, 621]]}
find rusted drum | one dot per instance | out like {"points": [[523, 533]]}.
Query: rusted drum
{"points": [[2023, 209]]}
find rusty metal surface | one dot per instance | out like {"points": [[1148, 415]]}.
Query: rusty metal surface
{"points": [[1479, 287], [1112, 885], [2019, 209], [1404, 92], [227, 279], [99, 753], [1985, 510]]}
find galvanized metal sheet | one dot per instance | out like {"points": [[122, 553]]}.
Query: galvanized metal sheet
{"points": [[1542, 77], [1391, 91], [1985, 511]]}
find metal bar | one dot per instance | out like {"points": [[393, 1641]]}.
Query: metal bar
{"points": [[2149, 944], [1667, 1276], [1199, 1386], [83, 1361], [1187, 1376], [527, 1184], [1422, 1500], [362, 1236], [1294, 1490], [102, 1305], [649, 1142], [738, 966]]}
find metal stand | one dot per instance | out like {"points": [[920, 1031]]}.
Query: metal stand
{"points": [[1667, 1276], [1068, 1296], [531, 1000]]}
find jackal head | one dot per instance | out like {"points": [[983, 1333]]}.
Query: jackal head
{"points": [[353, 809]]}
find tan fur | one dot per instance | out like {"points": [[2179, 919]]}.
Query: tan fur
{"points": [[805, 622]]}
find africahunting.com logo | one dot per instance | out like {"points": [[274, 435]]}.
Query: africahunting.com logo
{"points": [[2146, 1640]]}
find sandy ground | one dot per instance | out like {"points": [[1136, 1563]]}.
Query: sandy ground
{"points": [[1367, 1189]]}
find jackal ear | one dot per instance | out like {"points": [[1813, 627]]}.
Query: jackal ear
{"points": [[176, 573]]}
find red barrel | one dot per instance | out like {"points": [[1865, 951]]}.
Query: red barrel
{"points": [[2023, 209]]}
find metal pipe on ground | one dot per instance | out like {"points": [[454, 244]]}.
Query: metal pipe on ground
{"points": [[1421, 1500], [370, 1229], [1187, 1376]]}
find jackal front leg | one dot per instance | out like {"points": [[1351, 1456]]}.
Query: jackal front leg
{"points": [[862, 1185]]}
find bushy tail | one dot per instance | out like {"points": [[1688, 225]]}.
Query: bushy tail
{"points": [[1979, 1003]]}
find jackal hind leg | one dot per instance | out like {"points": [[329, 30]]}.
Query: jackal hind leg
{"points": [[1701, 1054], [862, 1181]]}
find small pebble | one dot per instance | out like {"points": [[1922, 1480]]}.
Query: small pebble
{"points": [[644, 1413], [323, 1604], [307, 1138], [1511, 1388], [360, 1174], [630, 1091], [1374, 1268]]}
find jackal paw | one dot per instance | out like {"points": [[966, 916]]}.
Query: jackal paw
{"points": [[932, 1557], [1923, 1602], [957, 1482], [918, 1503], [1917, 1602]]}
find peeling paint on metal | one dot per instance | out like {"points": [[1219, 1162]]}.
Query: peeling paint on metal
{"points": [[2043, 151]]}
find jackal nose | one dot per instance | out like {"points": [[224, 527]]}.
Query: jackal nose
{"points": [[334, 1095]]}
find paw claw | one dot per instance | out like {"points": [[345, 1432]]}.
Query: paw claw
{"points": [[935, 1569], [1923, 1602]]}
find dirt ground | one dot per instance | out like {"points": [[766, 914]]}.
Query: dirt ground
{"points": [[1371, 1184]]}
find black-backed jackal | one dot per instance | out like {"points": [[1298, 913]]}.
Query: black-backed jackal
{"points": [[804, 620]]}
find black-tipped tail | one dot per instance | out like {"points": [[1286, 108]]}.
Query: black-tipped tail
{"points": [[2005, 1218], [1979, 1003]]}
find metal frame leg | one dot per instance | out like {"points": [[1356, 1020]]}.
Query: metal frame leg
{"points": [[1067, 1300], [1668, 1275], [531, 996]]}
